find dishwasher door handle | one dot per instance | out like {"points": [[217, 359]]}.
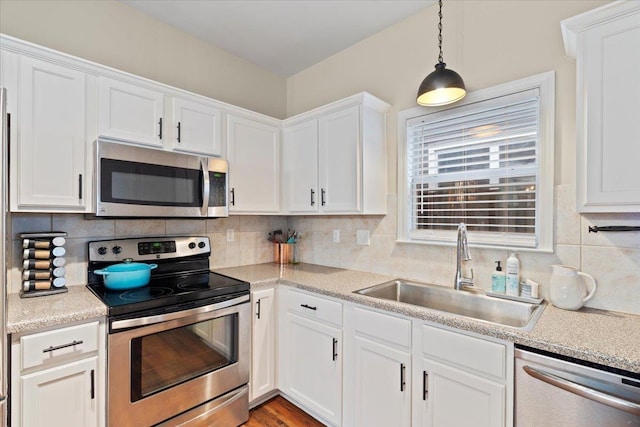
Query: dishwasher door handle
{"points": [[583, 391]]}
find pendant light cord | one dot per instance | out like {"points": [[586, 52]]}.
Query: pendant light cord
{"points": [[440, 60]]}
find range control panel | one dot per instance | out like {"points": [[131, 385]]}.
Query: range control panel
{"points": [[148, 248]]}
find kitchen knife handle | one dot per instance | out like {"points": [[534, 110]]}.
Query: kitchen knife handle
{"points": [[160, 124], [179, 132]]}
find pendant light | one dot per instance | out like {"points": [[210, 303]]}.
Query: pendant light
{"points": [[442, 86]]}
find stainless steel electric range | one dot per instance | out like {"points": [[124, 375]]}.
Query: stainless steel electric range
{"points": [[179, 347]]}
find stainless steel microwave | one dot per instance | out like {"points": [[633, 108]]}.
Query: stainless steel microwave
{"points": [[142, 182]]}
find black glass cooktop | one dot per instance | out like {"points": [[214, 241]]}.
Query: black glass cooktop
{"points": [[171, 293]]}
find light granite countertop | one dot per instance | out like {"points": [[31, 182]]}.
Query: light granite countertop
{"points": [[604, 337], [29, 314]]}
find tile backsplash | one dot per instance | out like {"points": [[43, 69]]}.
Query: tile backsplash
{"points": [[250, 245], [612, 258]]}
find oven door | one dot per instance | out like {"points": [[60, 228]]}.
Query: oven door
{"points": [[176, 361]]}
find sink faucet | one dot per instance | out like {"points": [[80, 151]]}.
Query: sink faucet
{"points": [[462, 254]]}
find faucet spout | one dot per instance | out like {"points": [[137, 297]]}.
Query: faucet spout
{"points": [[462, 254]]}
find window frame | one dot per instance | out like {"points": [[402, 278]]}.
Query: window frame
{"points": [[545, 84]]}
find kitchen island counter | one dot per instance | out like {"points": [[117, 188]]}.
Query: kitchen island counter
{"points": [[604, 337]]}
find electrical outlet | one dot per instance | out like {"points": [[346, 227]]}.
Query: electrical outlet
{"points": [[362, 237], [336, 236], [230, 235]]}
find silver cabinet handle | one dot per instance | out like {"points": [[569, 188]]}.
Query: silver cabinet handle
{"points": [[586, 392], [59, 347]]}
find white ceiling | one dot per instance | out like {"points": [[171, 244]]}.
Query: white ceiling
{"points": [[284, 36]]}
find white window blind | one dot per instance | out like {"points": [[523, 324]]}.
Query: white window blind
{"points": [[478, 164]]}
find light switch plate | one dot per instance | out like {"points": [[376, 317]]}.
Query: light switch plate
{"points": [[362, 237], [336, 236], [230, 235]]}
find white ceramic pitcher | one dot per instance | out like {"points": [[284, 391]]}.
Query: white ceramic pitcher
{"points": [[566, 290]]}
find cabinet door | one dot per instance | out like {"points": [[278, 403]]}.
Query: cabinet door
{"points": [[197, 127], [610, 97], [63, 396], [263, 353], [50, 164], [340, 168], [314, 366], [382, 385], [253, 152], [452, 397], [300, 167], [131, 113]]}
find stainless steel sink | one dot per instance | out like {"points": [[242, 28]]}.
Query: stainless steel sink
{"points": [[521, 315]]}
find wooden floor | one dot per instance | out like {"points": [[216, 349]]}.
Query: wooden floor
{"points": [[279, 412]]}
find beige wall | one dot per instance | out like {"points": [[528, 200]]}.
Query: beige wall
{"points": [[117, 35], [488, 43]]}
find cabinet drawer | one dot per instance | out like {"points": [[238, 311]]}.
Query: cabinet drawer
{"points": [[315, 307], [382, 326], [45, 347], [473, 353]]}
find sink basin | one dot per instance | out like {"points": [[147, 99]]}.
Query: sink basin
{"points": [[521, 315]]}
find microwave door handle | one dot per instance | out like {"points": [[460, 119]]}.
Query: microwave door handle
{"points": [[204, 168]]}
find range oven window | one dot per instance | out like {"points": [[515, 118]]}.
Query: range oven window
{"points": [[168, 358], [146, 184]]}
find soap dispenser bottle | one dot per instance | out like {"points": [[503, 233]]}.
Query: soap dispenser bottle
{"points": [[513, 275], [498, 280]]}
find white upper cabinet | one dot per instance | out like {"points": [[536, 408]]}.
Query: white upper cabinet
{"points": [[253, 152], [334, 158], [196, 127], [130, 112], [340, 162], [605, 43], [300, 167], [47, 103]]}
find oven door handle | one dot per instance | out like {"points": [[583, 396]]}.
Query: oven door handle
{"points": [[150, 320]]}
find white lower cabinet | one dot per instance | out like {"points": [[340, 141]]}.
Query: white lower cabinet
{"points": [[391, 370], [463, 380], [453, 397], [62, 396], [310, 356], [263, 349], [378, 372], [58, 377]]}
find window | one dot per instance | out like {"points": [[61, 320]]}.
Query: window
{"points": [[487, 162]]}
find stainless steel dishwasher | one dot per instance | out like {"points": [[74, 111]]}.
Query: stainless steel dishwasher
{"points": [[550, 391]]}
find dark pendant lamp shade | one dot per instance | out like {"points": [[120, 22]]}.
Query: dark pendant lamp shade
{"points": [[442, 86]]}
